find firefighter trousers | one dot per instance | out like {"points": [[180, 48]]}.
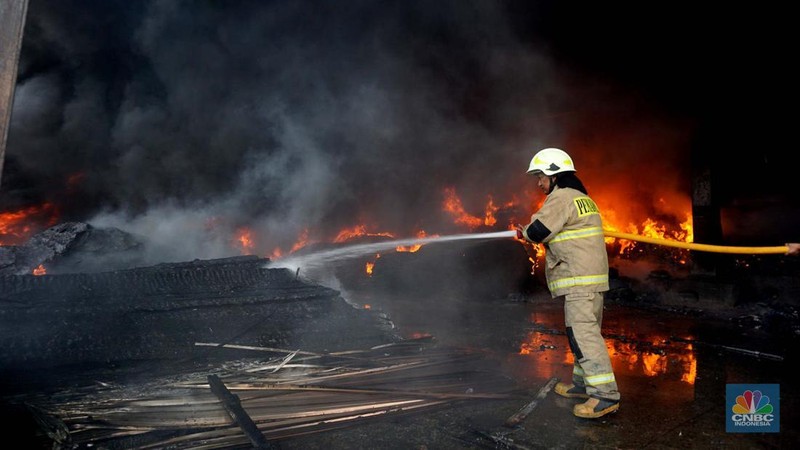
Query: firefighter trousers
{"points": [[583, 316]]}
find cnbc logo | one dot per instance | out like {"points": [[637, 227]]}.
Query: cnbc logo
{"points": [[753, 408]]}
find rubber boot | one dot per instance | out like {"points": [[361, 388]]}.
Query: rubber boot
{"points": [[570, 390], [595, 407]]}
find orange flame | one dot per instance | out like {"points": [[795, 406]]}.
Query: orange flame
{"points": [[344, 235], [412, 248], [245, 239], [302, 241], [370, 265], [453, 205], [357, 231], [489, 219], [17, 226], [40, 270], [667, 217]]}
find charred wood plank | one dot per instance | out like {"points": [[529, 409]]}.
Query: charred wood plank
{"points": [[238, 414], [520, 415]]}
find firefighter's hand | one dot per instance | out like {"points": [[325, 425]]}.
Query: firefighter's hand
{"points": [[519, 230]]}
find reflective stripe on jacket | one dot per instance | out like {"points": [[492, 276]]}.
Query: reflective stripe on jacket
{"points": [[575, 251]]}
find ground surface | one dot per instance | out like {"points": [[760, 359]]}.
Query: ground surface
{"points": [[673, 360], [673, 393]]}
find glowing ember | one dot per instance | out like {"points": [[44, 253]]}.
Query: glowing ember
{"points": [[40, 270]]}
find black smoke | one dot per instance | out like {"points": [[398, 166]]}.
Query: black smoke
{"points": [[184, 121]]}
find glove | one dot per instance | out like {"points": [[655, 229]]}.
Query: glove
{"points": [[520, 236]]}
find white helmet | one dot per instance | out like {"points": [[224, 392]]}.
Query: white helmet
{"points": [[551, 161]]}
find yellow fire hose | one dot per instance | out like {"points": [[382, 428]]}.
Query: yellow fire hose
{"points": [[782, 249]]}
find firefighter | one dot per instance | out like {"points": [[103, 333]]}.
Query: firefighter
{"points": [[570, 227]]}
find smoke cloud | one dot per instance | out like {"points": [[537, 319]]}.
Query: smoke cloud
{"points": [[185, 121]]}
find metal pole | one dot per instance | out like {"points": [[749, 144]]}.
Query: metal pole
{"points": [[12, 24]]}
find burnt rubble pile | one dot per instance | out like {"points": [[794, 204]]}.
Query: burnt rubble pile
{"points": [[72, 247], [169, 310]]}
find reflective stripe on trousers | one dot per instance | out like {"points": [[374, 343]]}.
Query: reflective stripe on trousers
{"points": [[585, 280], [583, 315]]}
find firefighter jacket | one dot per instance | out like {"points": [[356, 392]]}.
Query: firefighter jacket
{"points": [[575, 251]]}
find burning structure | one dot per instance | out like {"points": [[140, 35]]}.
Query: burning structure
{"points": [[128, 132]]}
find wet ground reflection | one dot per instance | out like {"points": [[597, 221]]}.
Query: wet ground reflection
{"points": [[634, 351]]}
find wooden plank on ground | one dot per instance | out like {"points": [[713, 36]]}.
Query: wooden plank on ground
{"points": [[238, 414], [520, 415]]}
